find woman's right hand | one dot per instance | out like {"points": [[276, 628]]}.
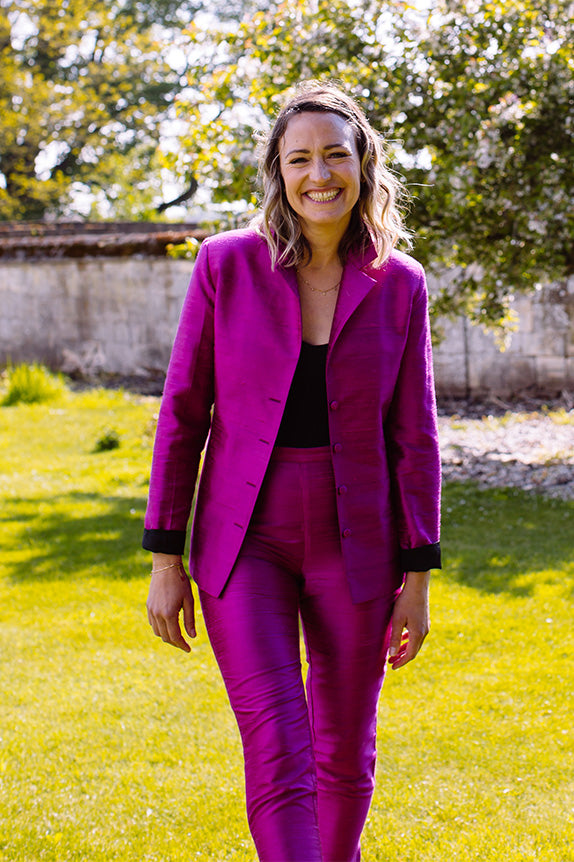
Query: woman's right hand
{"points": [[169, 593]]}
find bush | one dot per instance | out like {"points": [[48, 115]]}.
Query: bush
{"points": [[109, 439], [187, 249], [32, 384]]}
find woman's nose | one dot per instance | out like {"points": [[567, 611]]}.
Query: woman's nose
{"points": [[319, 170]]}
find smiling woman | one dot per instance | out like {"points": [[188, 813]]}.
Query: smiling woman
{"points": [[321, 171], [304, 351], [375, 220]]}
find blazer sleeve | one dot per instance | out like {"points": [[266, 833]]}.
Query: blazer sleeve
{"points": [[411, 436], [184, 417]]}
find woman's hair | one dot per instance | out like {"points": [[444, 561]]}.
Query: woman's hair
{"points": [[376, 216]]}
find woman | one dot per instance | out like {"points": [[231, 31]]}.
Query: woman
{"points": [[319, 499]]}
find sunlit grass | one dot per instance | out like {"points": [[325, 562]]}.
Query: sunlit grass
{"points": [[116, 747], [31, 384]]}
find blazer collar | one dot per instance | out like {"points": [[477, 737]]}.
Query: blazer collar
{"points": [[355, 285]]}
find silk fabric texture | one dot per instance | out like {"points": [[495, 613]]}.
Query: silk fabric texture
{"points": [[309, 761], [236, 350]]}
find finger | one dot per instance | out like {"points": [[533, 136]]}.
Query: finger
{"points": [[398, 659], [397, 635], [167, 628], [174, 635], [189, 615], [153, 623], [409, 649], [160, 629]]}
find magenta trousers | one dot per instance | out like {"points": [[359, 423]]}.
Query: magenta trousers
{"points": [[309, 755]]}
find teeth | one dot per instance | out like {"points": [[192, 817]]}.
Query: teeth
{"points": [[323, 196]]}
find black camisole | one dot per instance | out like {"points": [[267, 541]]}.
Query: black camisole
{"points": [[305, 420]]}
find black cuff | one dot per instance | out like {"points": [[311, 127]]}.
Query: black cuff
{"points": [[164, 541], [421, 559]]}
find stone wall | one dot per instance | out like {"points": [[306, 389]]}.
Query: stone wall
{"points": [[538, 361], [114, 315], [118, 315]]}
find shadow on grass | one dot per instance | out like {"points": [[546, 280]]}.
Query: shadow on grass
{"points": [[505, 540], [72, 536], [495, 541]]}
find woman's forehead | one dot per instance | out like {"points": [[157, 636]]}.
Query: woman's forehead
{"points": [[324, 127]]}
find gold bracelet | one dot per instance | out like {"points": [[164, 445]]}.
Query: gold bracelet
{"points": [[165, 568], [180, 566]]}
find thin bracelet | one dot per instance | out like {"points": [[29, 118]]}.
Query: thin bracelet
{"points": [[172, 566]]}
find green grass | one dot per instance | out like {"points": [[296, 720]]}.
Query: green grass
{"points": [[32, 384], [114, 746]]}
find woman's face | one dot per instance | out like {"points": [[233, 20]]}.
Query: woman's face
{"points": [[321, 170]]}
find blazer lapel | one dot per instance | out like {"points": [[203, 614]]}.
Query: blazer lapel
{"points": [[355, 285], [278, 322]]}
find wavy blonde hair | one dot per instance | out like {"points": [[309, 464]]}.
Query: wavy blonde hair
{"points": [[376, 217]]}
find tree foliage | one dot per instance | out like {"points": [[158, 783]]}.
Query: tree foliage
{"points": [[476, 100], [83, 93]]}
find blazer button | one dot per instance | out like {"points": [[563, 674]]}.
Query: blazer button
{"points": [[342, 489], [347, 532], [334, 405], [338, 447]]}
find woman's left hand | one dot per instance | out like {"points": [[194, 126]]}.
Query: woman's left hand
{"points": [[169, 593], [410, 622]]}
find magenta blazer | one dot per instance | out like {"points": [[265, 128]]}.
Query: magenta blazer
{"points": [[235, 353]]}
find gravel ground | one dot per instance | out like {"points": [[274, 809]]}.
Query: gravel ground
{"points": [[528, 445]]}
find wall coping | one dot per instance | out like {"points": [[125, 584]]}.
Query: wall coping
{"points": [[58, 240]]}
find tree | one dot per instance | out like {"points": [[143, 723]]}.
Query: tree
{"points": [[477, 103], [493, 104], [83, 95]]}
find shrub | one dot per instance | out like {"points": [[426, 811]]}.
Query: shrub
{"points": [[109, 439], [32, 384], [187, 249]]}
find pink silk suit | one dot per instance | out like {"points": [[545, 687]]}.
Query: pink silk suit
{"points": [[323, 534]]}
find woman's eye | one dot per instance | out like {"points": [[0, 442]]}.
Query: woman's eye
{"points": [[338, 155]]}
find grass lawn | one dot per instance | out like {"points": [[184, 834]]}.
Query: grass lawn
{"points": [[114, 746]]}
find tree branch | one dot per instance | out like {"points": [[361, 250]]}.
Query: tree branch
{"points": [[193, 186]]}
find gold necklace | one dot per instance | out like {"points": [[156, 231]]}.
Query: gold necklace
{"points": [[316, 289]]}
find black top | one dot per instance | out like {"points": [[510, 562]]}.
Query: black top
{"points": [[305, 420]]}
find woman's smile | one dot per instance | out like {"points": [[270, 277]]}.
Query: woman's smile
{"points": [[323, 197]]}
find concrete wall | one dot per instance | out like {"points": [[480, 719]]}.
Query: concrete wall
{"points": [[114, 315], [538, 360], [118, 315]]}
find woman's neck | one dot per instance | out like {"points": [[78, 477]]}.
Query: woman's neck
{"points": [[324, 246], [323, 256]]}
